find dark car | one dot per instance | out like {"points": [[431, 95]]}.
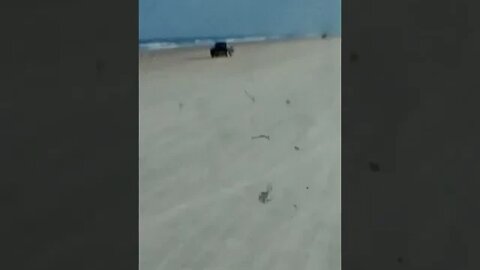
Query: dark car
{"points": [[221, 49]]}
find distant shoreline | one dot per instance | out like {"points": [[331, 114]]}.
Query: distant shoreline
{"points": [[192, 43]]}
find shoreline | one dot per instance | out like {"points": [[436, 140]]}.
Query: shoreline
{"points": [[196, 47]]}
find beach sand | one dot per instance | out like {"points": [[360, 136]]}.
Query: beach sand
{"points": [[214, 133]]}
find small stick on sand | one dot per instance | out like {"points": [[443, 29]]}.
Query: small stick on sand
{"points": [[261, 136], [265, 196], [252, 98]]}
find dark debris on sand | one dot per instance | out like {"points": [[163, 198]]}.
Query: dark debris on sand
{"points": [[251, 97], [260, 137], [264, 196]]}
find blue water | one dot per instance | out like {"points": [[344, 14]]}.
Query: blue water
{"points": [[177, 23]]}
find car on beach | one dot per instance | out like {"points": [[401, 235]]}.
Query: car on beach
{"points": [[221, 49]]}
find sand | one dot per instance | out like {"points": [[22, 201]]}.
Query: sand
{"points": [[214, 133]]}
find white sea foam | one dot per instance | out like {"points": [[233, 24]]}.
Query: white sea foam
{"points": [[201, 42], [159, 45], [246, 39]]}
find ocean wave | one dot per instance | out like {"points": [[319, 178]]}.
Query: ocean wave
{"points": [[277, 37], [204, 42], [159, 45], [246, 39]]}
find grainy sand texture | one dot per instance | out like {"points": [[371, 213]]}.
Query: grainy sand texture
{"points": [[240, 158]]}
